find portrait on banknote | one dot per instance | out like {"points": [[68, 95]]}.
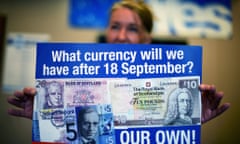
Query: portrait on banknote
{"points": [[50, 94], [179, 107], [95, 124]]}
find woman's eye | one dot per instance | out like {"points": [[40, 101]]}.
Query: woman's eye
{"points": [[115, 27], [133, 29]]}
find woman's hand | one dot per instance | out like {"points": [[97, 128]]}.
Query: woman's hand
{"points": [[211, 99], [23, 101]]}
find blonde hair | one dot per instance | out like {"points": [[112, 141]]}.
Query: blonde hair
{"points": [[140, 8]]}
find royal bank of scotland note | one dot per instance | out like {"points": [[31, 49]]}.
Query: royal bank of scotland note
{"points": [[57, 107], [156, 101]]}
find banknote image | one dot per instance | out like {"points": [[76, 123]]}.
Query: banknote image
{"points": [[148, 101], [92, 109], [95, 124], [86, 92], [78, 101], [51, 129], [50, 94], [179, 107], [77, 125], [50, 125]]}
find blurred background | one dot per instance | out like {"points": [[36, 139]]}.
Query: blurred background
{"points": [[213, 25]]}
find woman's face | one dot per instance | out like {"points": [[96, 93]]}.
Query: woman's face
{"points": [[125, 26]]}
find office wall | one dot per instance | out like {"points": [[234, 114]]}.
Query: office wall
{"points": [[221, 67], [220, 64]]}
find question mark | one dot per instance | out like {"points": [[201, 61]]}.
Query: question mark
{"points": [[190, 63]]}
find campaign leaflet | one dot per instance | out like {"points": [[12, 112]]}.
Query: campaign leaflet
{"points": [[117, 93]]}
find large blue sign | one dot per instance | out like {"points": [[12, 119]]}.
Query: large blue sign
{"points": [[181, 18]]}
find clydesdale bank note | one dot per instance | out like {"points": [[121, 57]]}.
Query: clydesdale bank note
{"points": [[156, 102]]}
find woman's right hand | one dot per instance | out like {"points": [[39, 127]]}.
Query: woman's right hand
{"points": [[23, 102]]}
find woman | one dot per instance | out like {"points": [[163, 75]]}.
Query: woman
{"points": [[130, 22]]}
